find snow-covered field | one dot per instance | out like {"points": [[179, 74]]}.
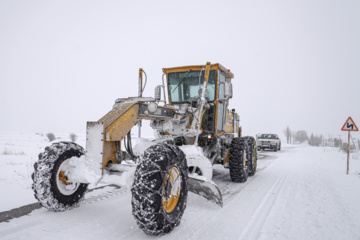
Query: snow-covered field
{"points": [[300, 192]]}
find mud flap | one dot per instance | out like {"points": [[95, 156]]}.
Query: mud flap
{"points": [[205, 188]]}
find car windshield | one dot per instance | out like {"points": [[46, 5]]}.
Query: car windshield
{"points": [[184, 86], [268, 136]]}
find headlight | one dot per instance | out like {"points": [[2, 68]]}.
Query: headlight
{"points": [[152, 107]]}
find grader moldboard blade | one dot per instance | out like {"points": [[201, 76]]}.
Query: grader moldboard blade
{"points": [[205, 188]]}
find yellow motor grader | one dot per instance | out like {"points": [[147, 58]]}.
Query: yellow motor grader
{"points": [[194, 129]]}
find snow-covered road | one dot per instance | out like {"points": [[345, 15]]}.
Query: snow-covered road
{"points": [[303, 194], [298, 193]]}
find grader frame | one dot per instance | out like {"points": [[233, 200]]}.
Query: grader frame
{"points": [[195, 129]]}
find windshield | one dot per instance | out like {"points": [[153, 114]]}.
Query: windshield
{"points": [[188, 89], [268, 136]]}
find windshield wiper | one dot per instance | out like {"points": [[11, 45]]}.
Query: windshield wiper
{"points": [[181, 80]]}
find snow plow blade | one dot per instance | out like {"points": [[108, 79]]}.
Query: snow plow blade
{"points": [[205, 188]]}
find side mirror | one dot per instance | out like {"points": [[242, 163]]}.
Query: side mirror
{"points": [[158, 93], [228, 90]]}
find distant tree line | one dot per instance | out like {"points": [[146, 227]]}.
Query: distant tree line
{"points": [[293, 137], [316, 140], [51, 136], [301, 136]]}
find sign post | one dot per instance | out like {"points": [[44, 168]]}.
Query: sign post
{"points": [[349, 126]]}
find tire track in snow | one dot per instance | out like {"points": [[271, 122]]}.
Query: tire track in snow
{"points": [[244, 215], [110, 193], [27, 209], [252, 229]]}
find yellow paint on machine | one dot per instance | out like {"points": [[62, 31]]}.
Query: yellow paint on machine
{"points": [[117, 123]]}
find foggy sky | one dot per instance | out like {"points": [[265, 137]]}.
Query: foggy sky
{"points": [[296, 63]]}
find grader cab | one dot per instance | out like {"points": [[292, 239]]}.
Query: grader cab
{"points": [[194, 130]]}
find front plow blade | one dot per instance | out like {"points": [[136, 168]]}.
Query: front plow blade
{"points": [[206, 188]]}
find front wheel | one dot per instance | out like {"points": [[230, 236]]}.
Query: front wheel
{"points": [[50, 184], [159, 191]]}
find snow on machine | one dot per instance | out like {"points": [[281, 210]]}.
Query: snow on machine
{"points": [[194, 128]]}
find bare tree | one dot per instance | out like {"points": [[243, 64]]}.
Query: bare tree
{"points": [[301, 136], [287, 132], [73, 137], [293, 136], [316, 140], [344, 147], [338, 142], [50, 136]]}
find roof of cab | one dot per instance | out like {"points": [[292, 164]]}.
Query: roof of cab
{"points": [[216, 66]]}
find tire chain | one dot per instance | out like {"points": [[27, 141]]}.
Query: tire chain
{"points": [[238, 148], [147, 189], [43, 172], [249, 156]]}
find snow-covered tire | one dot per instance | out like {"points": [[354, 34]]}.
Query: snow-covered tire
{"points": [[251, 157], [238, 167], [49, 181], [157, 205], [276, 148]]}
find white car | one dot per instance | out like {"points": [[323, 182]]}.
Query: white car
{"points": [[269, 141]]}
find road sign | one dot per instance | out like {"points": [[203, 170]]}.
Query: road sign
{"points": [[349, 125]]}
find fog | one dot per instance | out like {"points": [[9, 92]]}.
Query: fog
{"points": [[296, 63]]}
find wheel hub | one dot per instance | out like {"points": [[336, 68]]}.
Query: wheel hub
{"points": [[64, 178], [171, 190], [66, 188]]}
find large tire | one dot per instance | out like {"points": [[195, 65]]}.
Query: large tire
{"points": [[159, 191], [251, 157], [50, 184], [238, 167]]}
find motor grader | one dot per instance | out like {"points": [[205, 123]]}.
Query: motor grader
{"points": [[194, 130]]}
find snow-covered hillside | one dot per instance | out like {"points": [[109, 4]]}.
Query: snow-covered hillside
{"points": [[300, 192]]}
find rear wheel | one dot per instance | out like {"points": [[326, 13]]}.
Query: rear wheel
{"points": [[251, 156], [50, 184], [159, 191], [237, 160]]}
